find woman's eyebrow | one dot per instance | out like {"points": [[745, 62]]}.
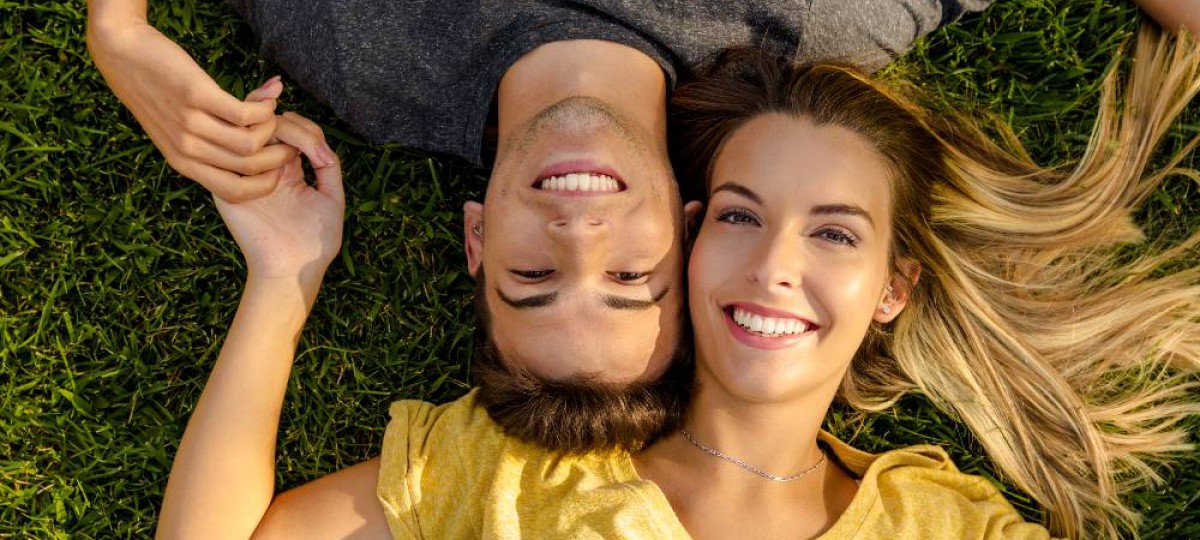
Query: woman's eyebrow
{"points": [[842, 209], [823, 209], [734, 187]]}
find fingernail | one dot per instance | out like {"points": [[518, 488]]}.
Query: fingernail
{"points": [[269, 82], [326, 154]]}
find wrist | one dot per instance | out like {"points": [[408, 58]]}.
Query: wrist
{"points": [[298, 288], [108, 33], [113, 13], [271, 311]]}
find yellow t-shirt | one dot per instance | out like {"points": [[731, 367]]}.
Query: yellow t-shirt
{"points": [[449, 472]]}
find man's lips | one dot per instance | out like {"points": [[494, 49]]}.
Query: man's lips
{"points": [[765, 328], [579, 178]]}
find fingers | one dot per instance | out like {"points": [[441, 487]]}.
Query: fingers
{"points": [[231, 109], [237, 149], [245, 140], [302, 133], [293, 129], [223, 145], [234, 188], [272, 156]]}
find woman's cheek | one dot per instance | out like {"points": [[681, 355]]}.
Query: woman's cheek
{"points": [[713, 258]]}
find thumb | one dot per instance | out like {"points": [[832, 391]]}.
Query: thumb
{"points": [[329, 180], [271, 89]]}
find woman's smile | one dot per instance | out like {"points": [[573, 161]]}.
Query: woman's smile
{"points": [[764, 328]]}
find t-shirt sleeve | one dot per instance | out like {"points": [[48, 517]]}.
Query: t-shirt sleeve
{"points": [[934, 500], [436, 467], [872, 33], [403, 462]]}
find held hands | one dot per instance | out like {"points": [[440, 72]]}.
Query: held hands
{"points": [[294, 231], [204, 133]]}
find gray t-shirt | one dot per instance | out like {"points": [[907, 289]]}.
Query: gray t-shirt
{"points": [[423, 73]]}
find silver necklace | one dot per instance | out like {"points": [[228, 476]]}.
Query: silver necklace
{"points": [[741, 463]]}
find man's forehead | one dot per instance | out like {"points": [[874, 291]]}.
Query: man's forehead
{"points": [[624, 347]]}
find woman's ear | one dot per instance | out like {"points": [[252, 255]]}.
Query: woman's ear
{"points": [[899, 290], [473, 235]]}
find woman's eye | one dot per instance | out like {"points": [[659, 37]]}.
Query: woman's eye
{"points": [[533, 274], [838, 236], [737, 216]]}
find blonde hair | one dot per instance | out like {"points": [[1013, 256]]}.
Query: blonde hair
{"points": [[1066, 355]]}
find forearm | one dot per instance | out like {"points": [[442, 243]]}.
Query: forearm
{"points": [[1172, 14], [222, 480]]}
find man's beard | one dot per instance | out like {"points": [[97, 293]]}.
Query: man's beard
{"points": [[577, 416]]}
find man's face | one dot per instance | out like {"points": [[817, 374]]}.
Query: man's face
{"points": [[581, 240]]}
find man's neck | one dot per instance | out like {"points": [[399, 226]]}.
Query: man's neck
{"points": [[624, 78]]}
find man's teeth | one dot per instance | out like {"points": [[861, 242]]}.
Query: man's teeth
{"points": [[768, 326], [581, 182]]}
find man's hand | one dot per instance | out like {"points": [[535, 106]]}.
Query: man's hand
{"points": [[294, 231], [204, 133]]}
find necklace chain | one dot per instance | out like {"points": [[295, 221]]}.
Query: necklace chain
{"points": [[742, 463]]}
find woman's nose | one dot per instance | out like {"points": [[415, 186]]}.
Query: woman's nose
{"points": [[778, 262]]}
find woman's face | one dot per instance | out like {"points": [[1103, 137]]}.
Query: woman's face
{"points": [[791, 263]]}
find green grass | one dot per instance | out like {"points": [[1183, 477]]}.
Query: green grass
{"points": [[117, 280]]}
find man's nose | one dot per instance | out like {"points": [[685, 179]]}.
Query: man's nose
{"points": [[578, 227], [582, 238]]}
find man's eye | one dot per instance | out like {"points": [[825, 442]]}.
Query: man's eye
{"points": [[532, 274], [628, 276]]}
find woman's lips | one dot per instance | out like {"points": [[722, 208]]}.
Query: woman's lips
{"points": [[765, 328]]}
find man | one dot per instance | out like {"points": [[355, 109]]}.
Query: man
{"points": [[580, 231]]}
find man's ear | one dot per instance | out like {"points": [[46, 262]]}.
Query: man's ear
{"points": [[473, 235], [899, 290], [692, 211]]}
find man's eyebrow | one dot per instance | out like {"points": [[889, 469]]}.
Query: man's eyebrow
{"points": [[844, 209], [535, 301], [734, 187], [633, 304]]}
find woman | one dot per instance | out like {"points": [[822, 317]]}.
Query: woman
{"points": [[857, 246], [852, 245]]}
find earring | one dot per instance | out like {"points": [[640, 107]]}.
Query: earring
{"points": [[887, 295], [477, 229]]}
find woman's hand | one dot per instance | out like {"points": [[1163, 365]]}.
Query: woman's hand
{"points": [[205, 133], [293, 232]]}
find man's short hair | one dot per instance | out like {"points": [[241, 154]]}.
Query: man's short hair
{"points": [[579, 415]]}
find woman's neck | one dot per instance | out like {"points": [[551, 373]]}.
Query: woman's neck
{"points": [[780, 438], [714, 498]]}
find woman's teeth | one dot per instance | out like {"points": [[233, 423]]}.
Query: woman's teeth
{"points": [[581, 182], [768, 326]]}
